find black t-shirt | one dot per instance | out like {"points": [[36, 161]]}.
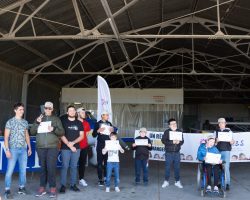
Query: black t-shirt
{"points": [[72, 131]]}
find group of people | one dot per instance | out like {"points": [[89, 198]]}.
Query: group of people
{"points": [[69, 134]]}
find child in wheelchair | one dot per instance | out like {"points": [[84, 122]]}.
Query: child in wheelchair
{"points": [[210, 156]]}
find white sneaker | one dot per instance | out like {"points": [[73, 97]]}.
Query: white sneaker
{"points": [[216, 189], [165, 184], [117, 189], [107, 189], [178, 184], [83, 183], [209, 188]]}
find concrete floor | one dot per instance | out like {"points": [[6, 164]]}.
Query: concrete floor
{"points": [[240, 189]]}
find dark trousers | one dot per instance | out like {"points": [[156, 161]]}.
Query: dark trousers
{"points": [[141, 165], [101, 164], [82, 162], [212, 169], [48, 162], [172, 157]]}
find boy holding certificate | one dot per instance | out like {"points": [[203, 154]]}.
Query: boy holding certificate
{"points": [[225, 141], [112, 147], [210, 155], [172, 139], [142, 146]]}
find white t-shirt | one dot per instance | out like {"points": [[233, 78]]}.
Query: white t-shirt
{"points": [[113, 155]]}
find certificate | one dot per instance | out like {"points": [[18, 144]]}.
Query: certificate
{"points": [[112, 145], [213, 158], [44, 127], [225, 136], [174, 135], [141, 142], [106, 129]]}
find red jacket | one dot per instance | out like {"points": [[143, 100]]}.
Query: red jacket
{"points": [[84, 142]]}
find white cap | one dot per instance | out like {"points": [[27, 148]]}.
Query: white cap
{"points": [[48, 104], [143, 130], [221, 120], [80, 110], [104, 112]]}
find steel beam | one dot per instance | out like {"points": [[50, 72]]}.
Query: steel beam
{"points": [[13, 6]]}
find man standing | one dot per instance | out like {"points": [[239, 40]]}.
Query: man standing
{"points": [[83, 146], [224, 148], [16, 139], [70, 149], [47, 147], [172, 154], [102, 133]]}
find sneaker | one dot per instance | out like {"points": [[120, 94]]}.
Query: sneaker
{"points": [[227, 187], [101, 183], [83, 183], [117, 189], [41, 192], [74, 188], [216, 189], [209, 189], [52, 193], [8, 195], [107, 189], [62, 189], [178, 184], [22, 190], [165, 184]]}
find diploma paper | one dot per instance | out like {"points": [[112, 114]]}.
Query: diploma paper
{"points": [[174, 135], [106, 130], [225, 136], [141, 142], [112, 145], [213, 158], [44, 127]]}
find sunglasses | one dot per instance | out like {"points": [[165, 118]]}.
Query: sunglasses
{"points": [[47, 108]]}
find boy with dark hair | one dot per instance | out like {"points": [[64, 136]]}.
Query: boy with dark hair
{"points": [[172, 153], [142, 156]]}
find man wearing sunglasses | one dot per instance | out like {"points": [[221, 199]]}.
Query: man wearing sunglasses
{"points": [[47, 147]]}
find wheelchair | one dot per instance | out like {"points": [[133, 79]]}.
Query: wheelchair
{"points": [[202, 181]]}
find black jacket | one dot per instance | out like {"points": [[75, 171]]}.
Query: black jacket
{"points": [[169, 145], [101, 138], [142, 152], [223, 146]]}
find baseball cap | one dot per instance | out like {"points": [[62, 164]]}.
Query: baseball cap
{"points": [[210, 137], [48, 104], [221, 120], [104, 112], [143, 130], [80, 109]]}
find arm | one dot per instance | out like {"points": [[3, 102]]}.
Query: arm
{"points": [[34, 127], [65, 141], [77, 140], [149, 145], [104, 150], [121, 149], [201, 154], [95, 133], [27, 138], [58, 129], [165, 139], [6, 142]]}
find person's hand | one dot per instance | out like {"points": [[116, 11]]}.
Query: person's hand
{"points": [[71, 144], [174, 141], [149, 145], [100, 130], [177, 142], [50, 128], [122, 150], [232, 141], [73, 149], [29, 152], [133, 145], [220, 161], [39, 119], [111, 129], [8, 154]]}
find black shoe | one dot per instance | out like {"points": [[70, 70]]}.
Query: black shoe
{"points": [[227, 187], [22, 190], [8, 195], [74, 188], [101, 183], [62, 189]]}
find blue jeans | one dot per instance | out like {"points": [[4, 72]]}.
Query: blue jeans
{"points": [[20, 155], [69, 159], [225, 156], [172, 157], [110, 167], [141, 164]]}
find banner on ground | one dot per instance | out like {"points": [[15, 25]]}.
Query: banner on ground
{"points": [[240, 150], [104, 99]]}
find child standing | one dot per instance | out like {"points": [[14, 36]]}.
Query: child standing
{"points": [[113, 163], [141, 157]]}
